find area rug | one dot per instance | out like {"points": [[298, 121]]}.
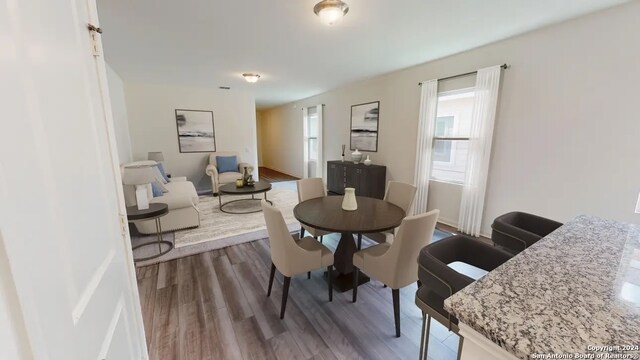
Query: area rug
{"points": [[217, 229], [224, 229]]}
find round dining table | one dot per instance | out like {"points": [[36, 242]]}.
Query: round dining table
{"points": [[325, 213]]}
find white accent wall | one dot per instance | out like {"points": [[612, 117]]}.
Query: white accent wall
{"points": [[152, 124], [567, 136], [120, 118]]}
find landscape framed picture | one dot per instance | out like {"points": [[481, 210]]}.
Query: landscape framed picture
{"points": [[195, 131], [364, 126]]}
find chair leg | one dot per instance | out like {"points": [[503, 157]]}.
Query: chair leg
{"points": [[285, 294], [273, 273], [426, 344], [308, 274], [356, 272], [424, 318], [396, 309], [460, 341], [330, 278], [321, 236], [301, 232], [359, 241]]}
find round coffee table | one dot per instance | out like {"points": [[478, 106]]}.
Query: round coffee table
{"points": [[325, 213], [154, 212], [232, 189]]}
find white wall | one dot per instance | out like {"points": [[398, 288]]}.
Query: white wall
{"points": [[566, 137], [120, 118], [152, 125]]}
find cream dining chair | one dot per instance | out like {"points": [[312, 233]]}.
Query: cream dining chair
{"points": [[308, 189], [292, 257], [400, 194], [395, 264]]}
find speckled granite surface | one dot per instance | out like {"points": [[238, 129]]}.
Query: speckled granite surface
{"points": [[579, 286]]}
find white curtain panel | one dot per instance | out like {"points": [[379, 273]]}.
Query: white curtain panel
{"points": [[320, 162], [482, 120], [426, 130], [305, 142]]}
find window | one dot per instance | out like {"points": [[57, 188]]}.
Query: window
{"points": [[451, 140]]}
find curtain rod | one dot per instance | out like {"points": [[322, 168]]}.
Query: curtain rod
{"points": [[503, 66]]}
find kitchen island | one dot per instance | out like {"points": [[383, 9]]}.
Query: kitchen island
{"points": [[573, 291]]}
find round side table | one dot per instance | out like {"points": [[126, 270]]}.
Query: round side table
{"points": [[154, 212]]}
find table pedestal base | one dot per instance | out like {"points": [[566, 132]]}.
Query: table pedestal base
{"points": [[344, 282], [343, 262]]}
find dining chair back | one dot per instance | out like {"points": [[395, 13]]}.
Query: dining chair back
{"points": [[396, 264], [401, 260], [282, 244], [291, 257], [400, 194], [311, 188]]}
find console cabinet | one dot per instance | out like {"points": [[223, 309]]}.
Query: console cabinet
{"points": [[368, 180]]}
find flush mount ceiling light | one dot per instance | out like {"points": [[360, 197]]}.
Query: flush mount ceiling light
{"points": [[251, 77], [331, 11]]}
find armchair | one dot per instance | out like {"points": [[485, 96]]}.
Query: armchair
{"points": [[217, 178]]}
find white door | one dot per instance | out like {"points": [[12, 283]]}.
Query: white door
{"points": [[67, 281]]}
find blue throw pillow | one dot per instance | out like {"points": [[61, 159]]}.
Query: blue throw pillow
{"points": [[156, 189], [162, 172], [227, 164]]}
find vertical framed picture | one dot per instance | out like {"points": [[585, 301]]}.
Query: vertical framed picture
{"points": [[364, 126], [195, 131]]}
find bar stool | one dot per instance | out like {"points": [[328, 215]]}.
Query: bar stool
{"points": [[516, 230], [440, 281]]}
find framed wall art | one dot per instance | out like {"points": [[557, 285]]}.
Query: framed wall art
{"points": [[195, 131], [364, 126]]}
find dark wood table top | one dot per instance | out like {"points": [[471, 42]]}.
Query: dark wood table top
{"points": [[154, 210], [258, 187], [325, 213]]}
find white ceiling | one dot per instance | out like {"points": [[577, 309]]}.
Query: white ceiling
{"points": [[212, 42]]}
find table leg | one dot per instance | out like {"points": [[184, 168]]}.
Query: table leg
{"points": [[159, 234], [343, 262], [220, 199]]}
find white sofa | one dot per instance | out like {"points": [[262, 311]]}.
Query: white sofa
{"points": [[218, 179], [181, 198]]}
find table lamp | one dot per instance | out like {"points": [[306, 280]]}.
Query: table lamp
{"points": [[156, 156], [140, 176], [638, 205]]}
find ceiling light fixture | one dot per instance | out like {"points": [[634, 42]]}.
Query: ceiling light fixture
{"points": [[331, 11], [251, 77]]}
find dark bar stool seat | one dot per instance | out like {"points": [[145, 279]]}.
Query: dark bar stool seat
{"points": [[440, 281], [516, 230]]}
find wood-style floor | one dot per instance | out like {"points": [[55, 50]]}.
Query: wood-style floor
{"points": [[272, 176], [214, 306]]}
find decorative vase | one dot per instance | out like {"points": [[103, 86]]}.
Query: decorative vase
{"points": [[356, 156], [367, 161], [349, 201], [245, 176]]}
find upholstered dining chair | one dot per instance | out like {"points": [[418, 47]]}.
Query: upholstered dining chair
{"points": [[292, 257], [308, 189], [395, 263], [400, 194]]}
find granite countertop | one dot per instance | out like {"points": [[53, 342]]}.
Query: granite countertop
{"points": [[577, 287]]}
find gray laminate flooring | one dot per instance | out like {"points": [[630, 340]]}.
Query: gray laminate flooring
{"points": [[214, 306]]}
